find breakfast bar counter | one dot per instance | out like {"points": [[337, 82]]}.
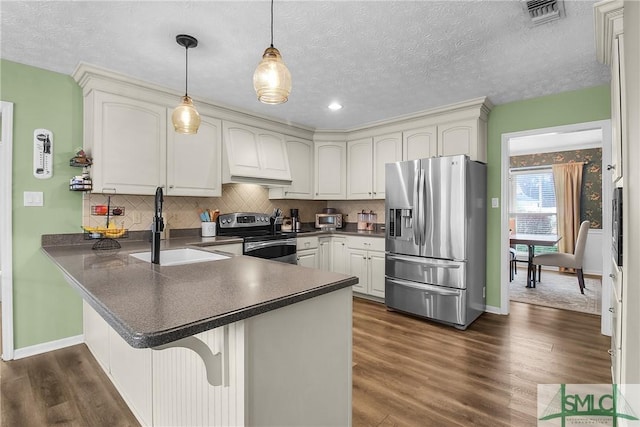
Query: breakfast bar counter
{"points": [[252, 341], [150, 305]]}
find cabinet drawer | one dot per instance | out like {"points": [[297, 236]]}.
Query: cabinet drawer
{"points": [[616, 278], [366, 243], [310, 242]]}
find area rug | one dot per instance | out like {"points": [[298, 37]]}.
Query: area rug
{"points": [[558, 290]]}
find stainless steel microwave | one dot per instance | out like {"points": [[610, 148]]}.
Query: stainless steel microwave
{"points": [[616, 238], [328, 220]]}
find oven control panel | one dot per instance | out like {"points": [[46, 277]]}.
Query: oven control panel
{"points": [[243, 219]]}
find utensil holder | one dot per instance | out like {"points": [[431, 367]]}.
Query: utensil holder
{"points": [[208, 229]]}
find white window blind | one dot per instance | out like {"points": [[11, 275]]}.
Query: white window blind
{"points": [[532, 204]]}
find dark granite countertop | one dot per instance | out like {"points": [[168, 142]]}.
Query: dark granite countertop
{"points": [[350, 229], [150, 305]]}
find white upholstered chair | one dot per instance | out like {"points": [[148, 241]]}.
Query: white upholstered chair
{"points": [[568, 260]]}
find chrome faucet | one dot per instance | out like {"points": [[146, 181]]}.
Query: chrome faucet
{"points": [[157, 227]]}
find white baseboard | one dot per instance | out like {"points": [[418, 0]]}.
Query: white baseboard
{"points": [[47, 346], [492, 309]]}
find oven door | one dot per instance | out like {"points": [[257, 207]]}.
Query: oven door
{"points": [[281, 250]]}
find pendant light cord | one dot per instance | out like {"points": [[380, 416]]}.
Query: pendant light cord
{"points": [[271, 23], [186, 70]]}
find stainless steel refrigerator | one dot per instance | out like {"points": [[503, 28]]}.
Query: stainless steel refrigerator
{"points": [[436, 218]]}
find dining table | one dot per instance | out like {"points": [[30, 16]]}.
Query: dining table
{"points": [[531, 241]]}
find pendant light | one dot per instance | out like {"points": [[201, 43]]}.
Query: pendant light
{"points": [[185, 117], [272, 79]]}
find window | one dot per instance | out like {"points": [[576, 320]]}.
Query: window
{"points": [[532, 205]]}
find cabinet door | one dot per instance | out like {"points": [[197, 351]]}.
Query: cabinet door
{"points": [[330, 170], [308, 258], [132, 375], [339, 255], [617, 107], [357, 266], [458, 138], [300, 153], [376, 273], [129, 145], [194, 162], [419, 143], [386, 149], [324, 254], [359, 169], [274, 160], [96, 335]]}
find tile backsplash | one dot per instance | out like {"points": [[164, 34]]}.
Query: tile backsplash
{"points": [[182, 212]]}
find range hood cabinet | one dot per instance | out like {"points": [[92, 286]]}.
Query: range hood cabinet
{"points": [[255, 156]]}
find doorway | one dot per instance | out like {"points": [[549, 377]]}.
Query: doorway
{"points": [[6, 275], [516, 142]]}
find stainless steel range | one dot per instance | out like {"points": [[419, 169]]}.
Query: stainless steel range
{"points": [[261, 235]]}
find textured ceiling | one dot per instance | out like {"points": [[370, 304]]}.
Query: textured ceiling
{"points": [[381, 59]]}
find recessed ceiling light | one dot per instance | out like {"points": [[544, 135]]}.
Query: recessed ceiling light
{"points": [[334, 106]]}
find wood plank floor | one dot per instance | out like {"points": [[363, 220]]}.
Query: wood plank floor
{"points": [[407, 372]]}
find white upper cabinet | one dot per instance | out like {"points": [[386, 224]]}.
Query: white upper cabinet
{"points": [[255, 155], [386, 149], [300, 153], [126, 138], [366, 164], [194, 162], [330, 170], [420, 143], [460, 138], [618, 107], [360, 169]]}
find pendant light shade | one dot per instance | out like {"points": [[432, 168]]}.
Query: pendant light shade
{"points": [[185, 117], [272, 79]]}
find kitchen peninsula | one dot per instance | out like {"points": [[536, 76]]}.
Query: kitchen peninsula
{"points": [[234, 341]]}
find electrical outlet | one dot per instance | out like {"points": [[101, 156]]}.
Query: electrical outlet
{"points": [[136, 218], [495, 202]]}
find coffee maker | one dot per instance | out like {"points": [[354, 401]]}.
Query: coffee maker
{"points": [[295, 220]]}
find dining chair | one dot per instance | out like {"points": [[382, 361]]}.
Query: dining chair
{"points": [[512, 264], [574, 260]]}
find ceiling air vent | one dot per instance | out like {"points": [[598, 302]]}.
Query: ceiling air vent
{"points": [[543, 11]]}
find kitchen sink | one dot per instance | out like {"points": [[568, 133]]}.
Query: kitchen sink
{"points": [[181, 256]]}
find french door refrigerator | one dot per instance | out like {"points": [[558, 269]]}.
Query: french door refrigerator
{"points": [[436, 238]]}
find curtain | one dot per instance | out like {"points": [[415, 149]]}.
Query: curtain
{"points": [[567, 178]]}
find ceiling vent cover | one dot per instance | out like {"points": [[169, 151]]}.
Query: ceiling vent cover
{"points": [[543, 11]]}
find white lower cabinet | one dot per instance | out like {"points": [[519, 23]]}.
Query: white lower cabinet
{"points": [[307, 248], [365, 259], [308, 258], [132, 375], [616, 323], [339, 255], [324, 253]]}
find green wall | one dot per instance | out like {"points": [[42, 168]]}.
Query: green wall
{"points": [[45, 308], [566, 108]]}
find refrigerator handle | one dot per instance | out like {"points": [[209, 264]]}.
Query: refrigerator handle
{"points": [[421, 200], [416, 207]]}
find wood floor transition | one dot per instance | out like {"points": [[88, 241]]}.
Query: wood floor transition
{"points": [[406, 372]]}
